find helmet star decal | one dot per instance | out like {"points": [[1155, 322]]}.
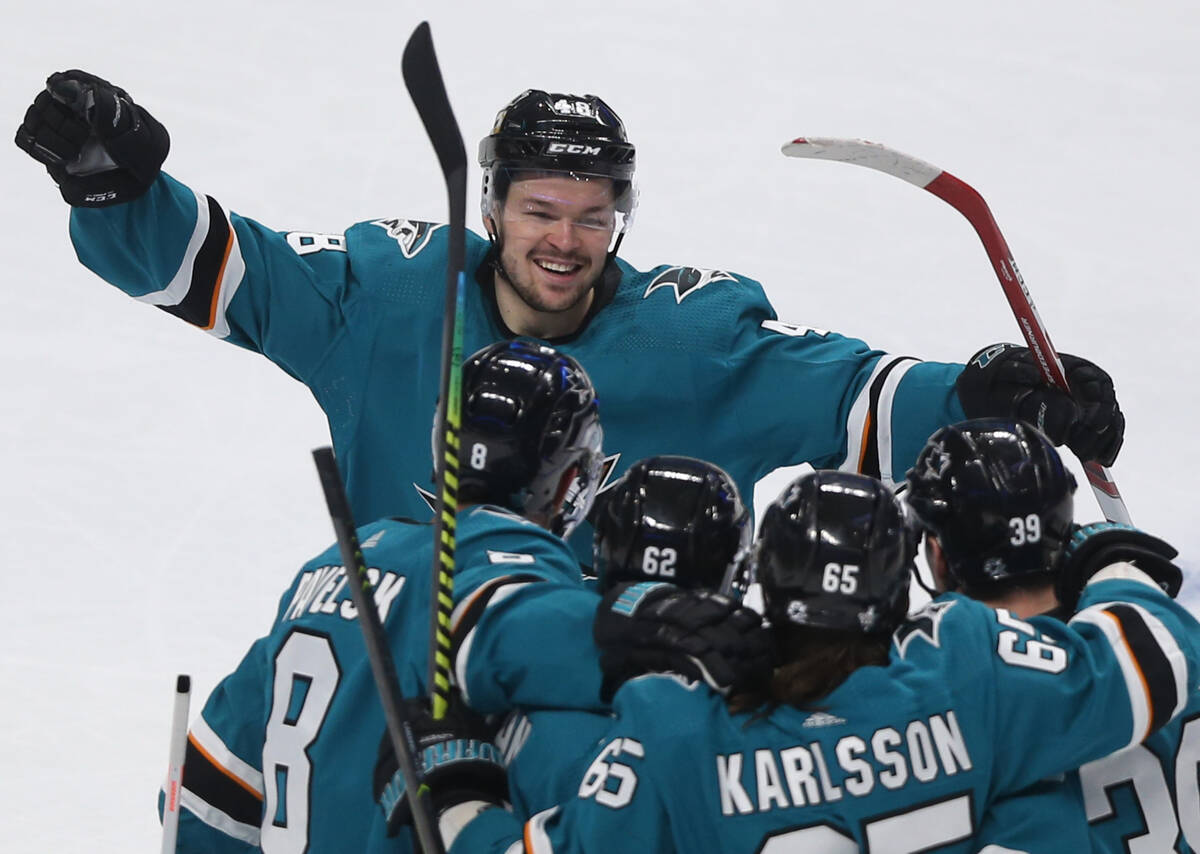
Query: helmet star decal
{"points": [[686, 280]]}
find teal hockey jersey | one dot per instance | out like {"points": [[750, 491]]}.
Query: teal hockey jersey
{"points": [[974, 705], [1147, 798], [281, 757], [685, 361]]}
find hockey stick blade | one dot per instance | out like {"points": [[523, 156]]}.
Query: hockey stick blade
{"points": [[379, 652], [968, 202], [423, 77]]}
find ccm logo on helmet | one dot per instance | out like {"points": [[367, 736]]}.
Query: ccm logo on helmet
{"points": [[571, 148]]}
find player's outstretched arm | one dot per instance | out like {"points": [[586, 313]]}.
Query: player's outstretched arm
{"points": [[1115, 674]]}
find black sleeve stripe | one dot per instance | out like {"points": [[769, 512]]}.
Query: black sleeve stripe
{"points": [[868, 462], [218, 788], [1155, 668], [465, 622], [198, 307]]}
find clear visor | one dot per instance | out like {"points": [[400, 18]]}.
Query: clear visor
{"points": [[528, 202]]}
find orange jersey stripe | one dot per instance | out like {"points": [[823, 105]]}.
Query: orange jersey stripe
{"points": [[1141, 676], [212, 309], [234, 777], [866, 432]]}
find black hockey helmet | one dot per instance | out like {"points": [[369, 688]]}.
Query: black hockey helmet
{"points": [[530, 435], [579, 135], [996, 495], [675, 519], [835, 551]]}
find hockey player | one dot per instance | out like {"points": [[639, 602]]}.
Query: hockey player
{"points": [[867, 740], [673, 519], [996, 503], [282, 753], [689, 361]]}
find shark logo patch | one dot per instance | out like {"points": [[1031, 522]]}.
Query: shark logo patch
{"points": [[686, 280], [412, 235], [924, 624]]}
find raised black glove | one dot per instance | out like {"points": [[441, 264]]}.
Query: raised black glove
{"points": [[1093, 547], [646, 627], [1003, 381], [98, 146], [457, 760]]}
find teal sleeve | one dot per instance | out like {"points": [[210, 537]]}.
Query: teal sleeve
{"points": [[222, 775], [810, 395], [1046, 818], [285, 295], [1069, 694]]}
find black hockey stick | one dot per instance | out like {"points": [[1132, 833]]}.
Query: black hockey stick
{"points": [[423, 77], [379, 652]]}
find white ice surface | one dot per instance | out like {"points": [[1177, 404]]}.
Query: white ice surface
{"points": [[157, 490]]}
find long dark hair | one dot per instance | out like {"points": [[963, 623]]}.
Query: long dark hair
{"points": [[815, 662]]}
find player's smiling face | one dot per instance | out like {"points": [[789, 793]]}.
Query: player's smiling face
{"points": [[555, 233]]}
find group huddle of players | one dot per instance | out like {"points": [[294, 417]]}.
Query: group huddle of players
{"points": [[612, 692]]}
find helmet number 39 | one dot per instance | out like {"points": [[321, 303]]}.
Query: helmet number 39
{"points": [[1025, 530], [840, 578]]}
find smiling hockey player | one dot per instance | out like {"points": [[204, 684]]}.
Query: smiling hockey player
{"points": [[688, 361]]}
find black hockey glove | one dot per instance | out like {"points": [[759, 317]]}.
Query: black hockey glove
{"points": [[457, 760], [1093, 547], [646, 627], [1003, 381], [98, 146]]}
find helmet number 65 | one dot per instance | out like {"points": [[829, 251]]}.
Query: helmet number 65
{"points": [[840, 578]]}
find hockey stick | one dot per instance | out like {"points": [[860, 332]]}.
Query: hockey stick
{"points": [[178, 749], [967, 201], [379, 652], [423, 77]]}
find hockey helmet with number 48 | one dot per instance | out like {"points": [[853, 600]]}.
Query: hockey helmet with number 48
{"points": [[998, 498], [542, 133], [835, 551], [670, 518], [530, 438]]}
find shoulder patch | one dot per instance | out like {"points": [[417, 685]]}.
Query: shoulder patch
{"points": [[412, 235], [924, 623], [686, 280]]}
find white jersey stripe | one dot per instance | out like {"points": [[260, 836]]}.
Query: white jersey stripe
{"points": [[1139, 701], [883, 411], [463, 655], [181, 283], [856, 422], [231, 280], [218, 820], [1166, 643], [211, 743], [537, 841]]}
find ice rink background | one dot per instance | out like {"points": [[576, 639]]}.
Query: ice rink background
{"points": [[158, 492]]}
